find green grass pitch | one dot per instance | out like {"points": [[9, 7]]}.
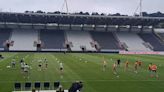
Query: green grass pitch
{"points": [[87, 68]]}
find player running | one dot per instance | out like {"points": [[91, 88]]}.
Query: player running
{"points": [[126, 65], [154, 71], [104, 65], [46, 63], [22, 60], [136, 67], [13, 63], [140, 63], [61, 67], [22, 64], [114, 68], [149, 67], [26, 71]]}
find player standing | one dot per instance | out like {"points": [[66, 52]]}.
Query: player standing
{"points": [[139, 63], [46, 63], [118, 62], [40, 65], [13, 63]]}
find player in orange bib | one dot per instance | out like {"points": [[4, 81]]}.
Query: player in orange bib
{"points": [[140, 63], [154, 68], [154, 71], [126, 65]]}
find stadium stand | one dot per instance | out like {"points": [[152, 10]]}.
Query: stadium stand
{"points": [[102, 35], [24, 40], [133, 41], [4, 35], [161, 36], [81, 40], [153, 40], [52, 39], [106, 40]]}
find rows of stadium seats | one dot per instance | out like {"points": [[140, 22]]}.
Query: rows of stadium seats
{"points": [[106, 40], [79, 40], [153, 40], [133, 41], [51, 40], [4, 35], [161, 37], [24, 40]]}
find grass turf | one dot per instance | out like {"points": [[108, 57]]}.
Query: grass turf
{"points": [[87, 68]]}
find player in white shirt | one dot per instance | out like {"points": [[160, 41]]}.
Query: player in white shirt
{"points": [[104, 65], [22, 64], [13, 63], [61, 66], [61, 69], [46, 63], [26, 70], [114, 68]]}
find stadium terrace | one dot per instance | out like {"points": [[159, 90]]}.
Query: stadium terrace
{"points": [[76, 33]]}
